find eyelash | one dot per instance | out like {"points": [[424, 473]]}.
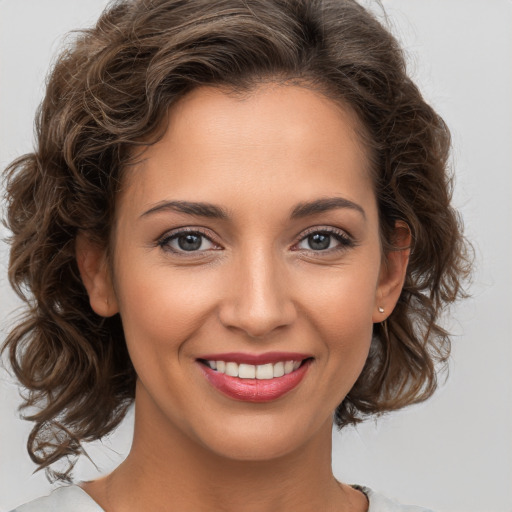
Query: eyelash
{"points": [[345, 241], [164, 242]]}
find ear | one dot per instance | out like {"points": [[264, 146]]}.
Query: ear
{"points": [[95, 273], [392, 272]]}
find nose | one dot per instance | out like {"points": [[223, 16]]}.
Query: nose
{"points": [[258, 300]]}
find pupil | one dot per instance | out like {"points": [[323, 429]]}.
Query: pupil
{"points": [[189, 242], [319, 241]]}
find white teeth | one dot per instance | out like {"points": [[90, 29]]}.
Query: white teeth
{"points": [[250, 371], [247, 371], [279, 369], [265, 371], [232, 369], [288, 367]]}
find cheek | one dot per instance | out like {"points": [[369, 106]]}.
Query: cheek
{"points": [[340, 308], [161, 308], [343, 299]]}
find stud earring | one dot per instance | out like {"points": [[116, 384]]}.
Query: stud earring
{"points": [[381, 310]]}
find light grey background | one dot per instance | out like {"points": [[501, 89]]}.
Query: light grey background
{"points": [[454, 453]]}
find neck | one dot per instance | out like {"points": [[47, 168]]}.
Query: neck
{"points": [[165, 466]]}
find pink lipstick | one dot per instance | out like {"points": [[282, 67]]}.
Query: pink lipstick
{"points": [[255, 377]]}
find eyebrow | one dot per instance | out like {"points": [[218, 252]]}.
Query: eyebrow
{"points": [[212, 211], [324, 205], [192, 208]]}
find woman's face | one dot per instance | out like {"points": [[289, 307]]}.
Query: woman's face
{"points": [[249, 235]]}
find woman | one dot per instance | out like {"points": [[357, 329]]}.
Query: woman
{"points": [[237, 216]]}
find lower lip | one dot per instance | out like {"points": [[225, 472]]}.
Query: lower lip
{"points": [[255, 390]]}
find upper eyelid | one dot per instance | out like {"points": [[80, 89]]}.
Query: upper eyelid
{"points": [[186, 229], [205, 231], [339, 233], [324, 229], [174, 233]]}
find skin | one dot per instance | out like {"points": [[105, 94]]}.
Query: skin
{"points": [[255, 286]]}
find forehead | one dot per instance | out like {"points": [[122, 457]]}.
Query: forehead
{"points": [[275, 138]]}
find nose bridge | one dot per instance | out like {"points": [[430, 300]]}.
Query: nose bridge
{"points": [[259, 301]]}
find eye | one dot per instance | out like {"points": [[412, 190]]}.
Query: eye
{"points": [[326, 240], [186, 241]]}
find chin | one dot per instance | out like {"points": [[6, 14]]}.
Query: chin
{"points": [[255, 450], [248, 439]]}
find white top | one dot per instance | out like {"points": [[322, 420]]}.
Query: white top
{"points": [[74, 499]]}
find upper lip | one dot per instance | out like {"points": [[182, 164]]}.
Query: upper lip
{"points": [[255, 359]]}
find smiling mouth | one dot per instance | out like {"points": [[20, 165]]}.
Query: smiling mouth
{"points": [[262, 382], [250, 371]]}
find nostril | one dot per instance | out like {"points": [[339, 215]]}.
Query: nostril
{"points": [[257, 322]]}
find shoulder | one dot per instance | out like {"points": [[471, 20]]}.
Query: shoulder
{"points": [[380, 503], [64, 499], [73, 499]]}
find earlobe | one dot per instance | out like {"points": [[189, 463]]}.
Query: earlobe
{"points": [[393, 272], [95, 273]]}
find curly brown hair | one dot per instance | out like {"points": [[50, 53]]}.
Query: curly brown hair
{"points": [[111, 89]]}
